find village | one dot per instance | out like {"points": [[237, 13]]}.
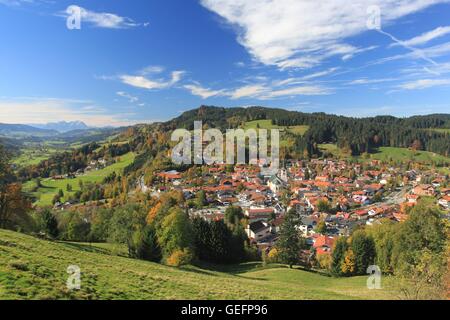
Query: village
{"points": [[330, 197]]}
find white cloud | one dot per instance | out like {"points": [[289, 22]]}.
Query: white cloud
{"points": [[248, 91], [424, 83], [260, 91], [42, 110], [102, 19], [420, 71], [360, 50], [151, 70], [128, 96], [371, 81], [204, 93], [320, 74], [16, 2], [296, 91], [146, 83], [426, 37], [303, 33], [425, 53]]}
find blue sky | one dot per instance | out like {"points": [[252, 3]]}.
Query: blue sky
{"points": [[142, 61]]}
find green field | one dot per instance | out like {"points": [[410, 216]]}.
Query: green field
{"points": [[441, 130], [29, 157], [403, 154], [33, 154], [267, 124], [285, 141], [51, 187], [333, 149], [392, 153], [36, 269]]}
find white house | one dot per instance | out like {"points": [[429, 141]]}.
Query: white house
{"points": [[258, 230], [445, 202], [276, 184]]}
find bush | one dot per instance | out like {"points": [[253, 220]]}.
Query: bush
{"points": [[180, 258], [252, 253], [272, 256], [144, 245], [324, 261]]}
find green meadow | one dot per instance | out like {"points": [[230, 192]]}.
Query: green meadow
{"points": [[441, 130], [392, 154], [50, 187], [403, 154], [35, 153], [285, 141], [267, 124], [37, 269]]}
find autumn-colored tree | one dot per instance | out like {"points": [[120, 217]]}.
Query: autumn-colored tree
{"points": [[348, 265], [272, 256], [175, 233], [14, 207], [153, 212], [180, 257], [416, 145]]}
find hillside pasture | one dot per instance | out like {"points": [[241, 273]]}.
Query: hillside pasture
{"points": [[37, 269], [50, 187]]}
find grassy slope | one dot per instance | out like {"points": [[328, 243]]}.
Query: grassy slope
{"points": [[402, 154], [267, 124], [32, 153], [36, 269], [396, 154], [440, 130], [51, 187]]}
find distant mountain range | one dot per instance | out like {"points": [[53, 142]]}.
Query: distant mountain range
{"points": [[41, 130], [23, 130], [62, 126]]}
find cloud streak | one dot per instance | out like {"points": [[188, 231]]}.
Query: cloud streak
{"points": [[260, 91], [144, 82], [424, 84], [426, 37], [102, 19]]}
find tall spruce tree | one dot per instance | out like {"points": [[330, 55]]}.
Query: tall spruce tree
{"points": [[289, 241], [338, 256], [50, 224], [363, 248]]}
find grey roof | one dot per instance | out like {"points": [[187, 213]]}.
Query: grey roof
{"points": [[257, 226]]}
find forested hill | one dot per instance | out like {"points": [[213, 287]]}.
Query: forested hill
{"points": [[358, 134]]}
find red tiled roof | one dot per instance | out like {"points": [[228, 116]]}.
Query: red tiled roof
{"points": [[260, 211], [324, 241]]}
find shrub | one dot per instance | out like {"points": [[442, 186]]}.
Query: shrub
{"points": [[324, 261], [180, 258], [272, 256]]}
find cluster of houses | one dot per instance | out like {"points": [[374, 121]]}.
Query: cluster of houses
{"points": [[339, 194], [92, 166], [96, 165]]}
